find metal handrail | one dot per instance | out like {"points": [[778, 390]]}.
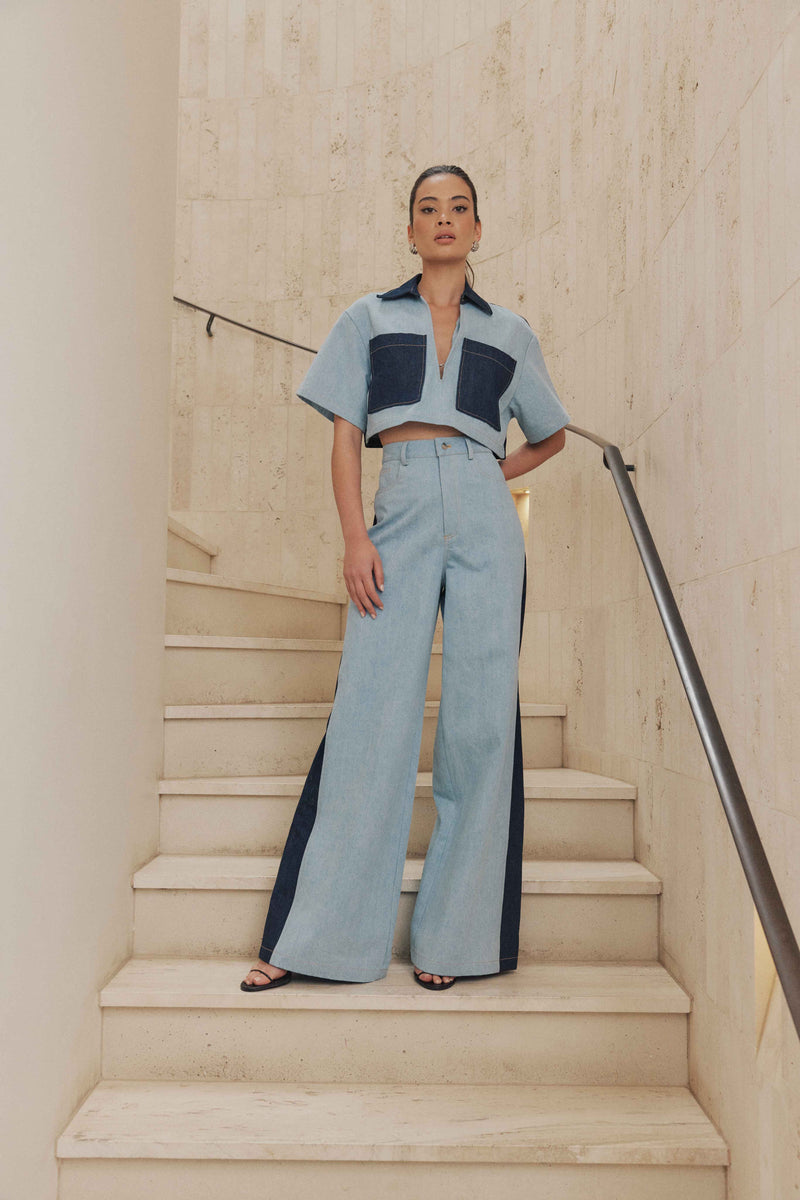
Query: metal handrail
{"points": [[273, 336], [769, 905], [758, 873]]}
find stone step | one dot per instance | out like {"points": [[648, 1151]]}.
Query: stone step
{"points": [[201, 603], [365, 1140], [209, 905], [266, 739], [569, 814], [208, 669], [588, 1023], [187, 550]]}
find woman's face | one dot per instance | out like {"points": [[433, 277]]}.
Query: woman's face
{"points": [[444, 219]]}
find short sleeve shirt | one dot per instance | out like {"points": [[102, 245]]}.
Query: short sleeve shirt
{"points": [[378, 367]]}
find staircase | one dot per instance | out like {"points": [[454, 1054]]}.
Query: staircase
{"points": [[565, 1079]]}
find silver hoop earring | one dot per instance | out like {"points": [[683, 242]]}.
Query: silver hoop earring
{"points": [[413, 249], [475, 246]]}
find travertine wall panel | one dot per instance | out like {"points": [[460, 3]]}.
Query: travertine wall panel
{"points": [[637, 170]]}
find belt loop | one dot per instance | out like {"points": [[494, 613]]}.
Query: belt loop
{"points": [[403, 453], [469, 447]]}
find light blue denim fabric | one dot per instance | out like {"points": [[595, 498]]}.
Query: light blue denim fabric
{"points": [[378, 367], [448, 532]]}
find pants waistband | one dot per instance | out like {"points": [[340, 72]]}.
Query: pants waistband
{"points": [[434, 447]]}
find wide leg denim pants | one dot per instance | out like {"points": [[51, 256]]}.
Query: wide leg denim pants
{"points": [[447, 530]]}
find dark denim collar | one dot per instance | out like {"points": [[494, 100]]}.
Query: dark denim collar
{"points": [[410, 288]]}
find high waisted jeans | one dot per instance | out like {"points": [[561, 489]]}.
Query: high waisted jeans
{"points": [[447, 530]]}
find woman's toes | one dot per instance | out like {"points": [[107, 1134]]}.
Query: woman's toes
{"points": [[255, 974], [427, 977]]}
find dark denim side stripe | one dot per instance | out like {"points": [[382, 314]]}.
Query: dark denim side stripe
{"points": [[299, 832], [512, 894]]}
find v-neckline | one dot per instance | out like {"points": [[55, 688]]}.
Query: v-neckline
{"points": [[442, 367]]}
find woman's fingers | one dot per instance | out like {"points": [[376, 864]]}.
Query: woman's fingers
{"points": [[364, 601], [361, 586], [368, 593], [377, 568], [351, 583]]}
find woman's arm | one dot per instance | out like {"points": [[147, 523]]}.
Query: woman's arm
{"points": [[532, 454], [361, 558]]}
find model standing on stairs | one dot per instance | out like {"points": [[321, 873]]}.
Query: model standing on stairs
{"points": [[431, 373]]}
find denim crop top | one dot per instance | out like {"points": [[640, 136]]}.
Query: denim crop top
{"points": [[378, 367]]}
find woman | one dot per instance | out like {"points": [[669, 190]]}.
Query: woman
{"points": [[432, 373]]}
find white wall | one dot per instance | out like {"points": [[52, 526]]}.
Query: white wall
{"points": [[88, 96]]}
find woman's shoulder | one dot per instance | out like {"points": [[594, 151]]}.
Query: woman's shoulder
{"points": [[510, 329], [368, 311], [514, 319], [361, 303]]}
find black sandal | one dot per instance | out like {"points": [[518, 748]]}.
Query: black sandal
{"points": [[264, 987], [428, 983]]}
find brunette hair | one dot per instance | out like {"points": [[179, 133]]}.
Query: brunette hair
{"points": [[445, 170]]}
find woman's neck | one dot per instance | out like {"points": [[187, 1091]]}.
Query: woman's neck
{"points": [[442, 284]]}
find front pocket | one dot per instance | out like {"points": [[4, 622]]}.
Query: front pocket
{"points": [[397, 363], [484, 374], [488, 465], [389, 473]]}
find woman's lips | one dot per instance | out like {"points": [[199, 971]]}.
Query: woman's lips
{"points": [[445, 237]]}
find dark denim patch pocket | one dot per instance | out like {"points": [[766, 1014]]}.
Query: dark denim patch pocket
{"points": [[397, 362], [483, 376]]}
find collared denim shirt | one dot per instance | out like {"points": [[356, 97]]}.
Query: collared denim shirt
{"points": [[378, 367]]}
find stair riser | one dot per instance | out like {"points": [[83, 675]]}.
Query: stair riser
{"points": [[287, 745], [163, 1179], [217, 675], [553, 926], [183, 556], [558, 829], [318, 1045], [230, 612]]}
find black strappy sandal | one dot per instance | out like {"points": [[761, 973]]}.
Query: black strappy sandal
{"points": [[433, 987], [264, 987]]}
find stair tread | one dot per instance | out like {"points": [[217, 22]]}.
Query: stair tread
{"points": [[250, 872], [540, 783], [217, 641], [634, 987], [393, 1122], [312, 708]]}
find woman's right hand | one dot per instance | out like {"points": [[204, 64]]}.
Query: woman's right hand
{"points": [[361, 560]]}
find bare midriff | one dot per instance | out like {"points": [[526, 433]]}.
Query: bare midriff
{"points": [[412, 430]]}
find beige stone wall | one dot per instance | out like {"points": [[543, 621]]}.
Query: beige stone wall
{"points": [[689, 358], [636, 166]]}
